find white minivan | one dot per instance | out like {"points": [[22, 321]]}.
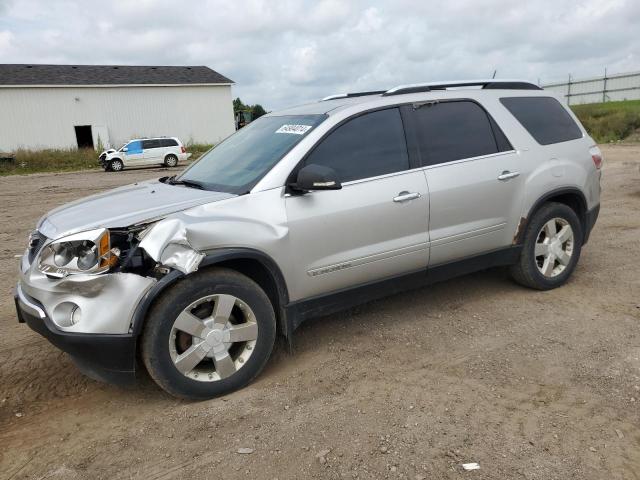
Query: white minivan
{"points": [[167, 151]]}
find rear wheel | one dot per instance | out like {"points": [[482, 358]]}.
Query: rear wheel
{"points": [[551, 248], [116, 165], [212, 333], [171, 161]]}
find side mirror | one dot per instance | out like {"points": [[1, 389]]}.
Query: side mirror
{"points": [[316, 177], [125, 149]]}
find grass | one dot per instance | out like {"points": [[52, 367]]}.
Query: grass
{"points": [[61, 160], [611, 121]]}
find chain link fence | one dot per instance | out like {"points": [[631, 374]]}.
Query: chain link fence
{"points": [[606, 88]]}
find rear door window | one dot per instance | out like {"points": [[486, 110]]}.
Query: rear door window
{"points": [[544, 118], [146, 144], [455, 130], [367, 146]]}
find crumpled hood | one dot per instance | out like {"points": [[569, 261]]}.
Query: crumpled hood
{"points": [[124, 206]]}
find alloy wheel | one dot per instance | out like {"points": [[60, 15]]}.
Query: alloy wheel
{"points": [[554, 247], [213, 338]]}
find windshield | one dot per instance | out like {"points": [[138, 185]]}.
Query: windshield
{"points": [[120, 149], [240, 161]]}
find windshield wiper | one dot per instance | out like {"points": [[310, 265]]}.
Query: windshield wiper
{"points": [[186, 183]]}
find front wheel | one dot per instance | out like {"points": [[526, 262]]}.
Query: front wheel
{"points": [[210, 334], [116, 165], [551, 249]]}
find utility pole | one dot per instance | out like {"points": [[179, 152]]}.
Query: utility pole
{"points": [[494, 73], [569, 91], [604, 86]]}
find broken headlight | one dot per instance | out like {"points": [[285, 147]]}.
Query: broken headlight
{"points": [[86, 252]]}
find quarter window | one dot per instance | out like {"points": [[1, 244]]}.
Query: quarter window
{"points": [[449, 131], [367, 146], [168, 142], [544, 118]]}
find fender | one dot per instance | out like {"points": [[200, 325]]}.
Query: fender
{"points": [[213, 257], [526, 218], [241, 253]]}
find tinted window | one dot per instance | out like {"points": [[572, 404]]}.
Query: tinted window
{"points": [[369, 145], [501, 140], [150, 144], [450, 131], [544, 118], [236, 164]]}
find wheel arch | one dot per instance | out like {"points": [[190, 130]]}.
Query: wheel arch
{"points": [[256, 265], [570, 196]]}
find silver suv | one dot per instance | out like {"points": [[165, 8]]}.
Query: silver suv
{"points": [[305, 212]]}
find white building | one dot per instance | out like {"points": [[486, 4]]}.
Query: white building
{"points": [[70, 106]]}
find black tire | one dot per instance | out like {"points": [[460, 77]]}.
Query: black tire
{"points": [[107, 167], [161, 317], [115, 165], [526, 271], [170, 161]]}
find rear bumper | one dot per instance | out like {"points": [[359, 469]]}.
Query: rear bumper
{"points": [[590, 220], [104, 357]]}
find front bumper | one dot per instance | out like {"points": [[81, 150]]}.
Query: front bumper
{"points": [[105, 357], [106, 303]]}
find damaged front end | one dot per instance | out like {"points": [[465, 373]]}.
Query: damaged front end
{"points": [[167, 244], [92, 282]]}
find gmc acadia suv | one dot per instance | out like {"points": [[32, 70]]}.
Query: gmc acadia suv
{"points": [[302, 213]]}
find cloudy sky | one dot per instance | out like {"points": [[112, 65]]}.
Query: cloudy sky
{"points": [[283, 52]]}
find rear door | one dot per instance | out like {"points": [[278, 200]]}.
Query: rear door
{"points": [[375, 226], [475, 179], [152, 151]]}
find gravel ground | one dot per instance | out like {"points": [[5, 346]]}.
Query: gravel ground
{"points": [[531, 385]]}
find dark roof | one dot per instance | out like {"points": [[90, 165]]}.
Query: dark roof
{"points": [[12, 74]]}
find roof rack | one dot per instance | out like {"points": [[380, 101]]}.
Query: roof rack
{"points": [[355, 94], [484, 84]]}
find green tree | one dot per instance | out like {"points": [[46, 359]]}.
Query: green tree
{"points": [[257, 110], [238, 105]]}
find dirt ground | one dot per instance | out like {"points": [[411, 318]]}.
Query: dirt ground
{"points": [[531, 385]]}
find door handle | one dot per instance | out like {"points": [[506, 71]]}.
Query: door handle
{"points": [[406, 196], [506, 175]]}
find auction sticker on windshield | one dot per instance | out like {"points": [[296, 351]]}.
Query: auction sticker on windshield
{"points": [[295, 129]]}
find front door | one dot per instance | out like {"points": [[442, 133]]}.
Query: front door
{"points": [[475, 180], [134, 153], [375, 227]]}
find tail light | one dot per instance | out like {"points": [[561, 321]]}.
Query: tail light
{"points": [[184, 150], [596, 156]]}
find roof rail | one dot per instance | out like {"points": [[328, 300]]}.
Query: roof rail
{"points": [[355, 94], [491, 83]]}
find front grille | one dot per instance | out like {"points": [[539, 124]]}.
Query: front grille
{"points": [[36, 240]]}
